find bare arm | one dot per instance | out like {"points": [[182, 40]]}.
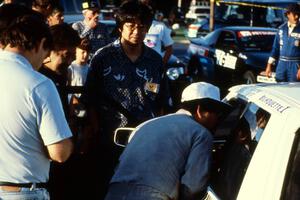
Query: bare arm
{"points": [[268, 70], [60, 151], [168, 53]]}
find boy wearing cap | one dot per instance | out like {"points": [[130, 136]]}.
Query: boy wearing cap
{"points": [[90, 27], [169, 157], [286, 48]]}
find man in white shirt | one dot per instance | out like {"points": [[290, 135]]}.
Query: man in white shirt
{"points": [[159, 38], [33, 129]]}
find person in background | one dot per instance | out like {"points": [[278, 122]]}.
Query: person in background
{"points": [[286, 48], [55, 67], [77, 74], [78, 70], [159, 38], [123, 86], [43, 6], [169, 157], [29, 137], [91, 28], [56, 16]]}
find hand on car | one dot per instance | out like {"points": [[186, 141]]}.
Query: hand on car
{"points": [[267, 72]]}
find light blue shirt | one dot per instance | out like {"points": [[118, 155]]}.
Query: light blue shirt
{"points": [[167, 152], [31, 117]]}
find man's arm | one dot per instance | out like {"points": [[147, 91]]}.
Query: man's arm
{"points": [[60, 151], [273, 56], [168, 43], [167, 54], [194, 181]]}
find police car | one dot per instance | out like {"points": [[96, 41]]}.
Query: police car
{"points": [[231, 55], [256, 151]]}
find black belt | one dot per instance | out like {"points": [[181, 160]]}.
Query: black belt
{"points": [[25, 185]]}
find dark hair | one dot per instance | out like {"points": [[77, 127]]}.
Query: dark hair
{"points": [[293, 8], [130, 11], [26, 32], [10, 12], [56, 9], [64, 36], [85, 44], [205, 104], [43, 3]]}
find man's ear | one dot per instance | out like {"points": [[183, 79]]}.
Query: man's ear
{"points": [[198, 112]]}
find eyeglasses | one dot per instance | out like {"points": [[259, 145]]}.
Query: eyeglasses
{"points": [[133, 26]]}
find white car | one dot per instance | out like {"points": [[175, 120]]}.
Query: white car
{"points": [[265, 164], [198, 11], [257, 147]]}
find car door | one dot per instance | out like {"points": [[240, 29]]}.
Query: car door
{"points": [[241, 132]]}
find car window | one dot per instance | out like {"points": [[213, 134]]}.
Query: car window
{"points": [[291, 188], [226, 41], [238, 148], [256, 40]]}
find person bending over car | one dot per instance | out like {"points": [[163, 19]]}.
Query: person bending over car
{"points": [[169, 157]]}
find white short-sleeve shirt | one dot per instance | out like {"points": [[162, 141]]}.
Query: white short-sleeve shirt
{"points": [[31, 117], [158, 35]]}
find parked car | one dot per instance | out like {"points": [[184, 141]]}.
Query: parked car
{"points": [[197, 12], [256, 152], [237, 15], [230, 55]]}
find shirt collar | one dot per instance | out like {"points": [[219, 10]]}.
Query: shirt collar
{"points": [[14, 57], [145, 54], [185, 112], [290, 25]]}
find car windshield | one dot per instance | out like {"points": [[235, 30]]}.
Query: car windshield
{"points": [[256, 40]]}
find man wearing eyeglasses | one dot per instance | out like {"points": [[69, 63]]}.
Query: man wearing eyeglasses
{"points": [[124, 85], [90, 27]]}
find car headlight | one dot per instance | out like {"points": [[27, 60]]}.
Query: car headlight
{"points": [[173, 73]]}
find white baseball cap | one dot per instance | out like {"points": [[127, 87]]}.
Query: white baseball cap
{"points": [[204, 92]]}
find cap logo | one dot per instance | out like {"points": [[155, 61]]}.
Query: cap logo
{"points": [[85, 5]]}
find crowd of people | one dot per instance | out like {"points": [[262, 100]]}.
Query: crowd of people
{"points": [[67, 88]]}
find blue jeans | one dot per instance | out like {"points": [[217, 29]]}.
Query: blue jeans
{"points": [[25, 194], [124, 191]]}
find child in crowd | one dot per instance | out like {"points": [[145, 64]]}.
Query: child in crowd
{"points": [[77, 74], [78, 70]]}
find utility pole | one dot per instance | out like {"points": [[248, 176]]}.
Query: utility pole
{"points": [[211, 15], [179, 4]]}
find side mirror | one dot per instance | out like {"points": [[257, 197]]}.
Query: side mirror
{"points": [[122, 136]]}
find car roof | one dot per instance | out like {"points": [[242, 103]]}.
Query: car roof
{"points": [[288, 93]]}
